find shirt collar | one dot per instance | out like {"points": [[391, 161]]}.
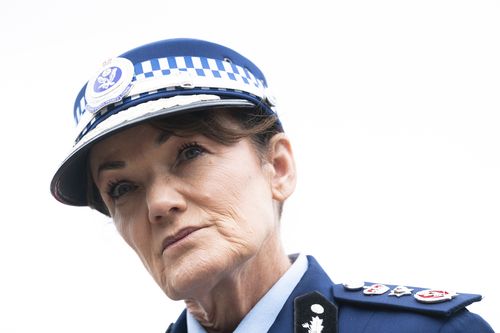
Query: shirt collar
{"points": [[264, 313]]}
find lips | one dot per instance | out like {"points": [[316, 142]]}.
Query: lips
{"points": [[181, 234]]}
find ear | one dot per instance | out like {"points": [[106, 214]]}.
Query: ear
{"points": [[283, 175]]}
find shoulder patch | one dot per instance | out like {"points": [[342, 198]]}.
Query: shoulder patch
{"points": [[434, 302]]}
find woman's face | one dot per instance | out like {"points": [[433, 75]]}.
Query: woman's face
{"points": [[193, 209]]}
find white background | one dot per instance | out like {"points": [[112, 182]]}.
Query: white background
{"points": [[393, 108]]}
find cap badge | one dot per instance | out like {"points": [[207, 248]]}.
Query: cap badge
{"points": [[434, 296], [400, 291], [110, 84], [376, 289]]}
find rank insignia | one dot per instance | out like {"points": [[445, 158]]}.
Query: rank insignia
{"points": [[434, 296], [315, 314], [376, 289], [400, 291]]}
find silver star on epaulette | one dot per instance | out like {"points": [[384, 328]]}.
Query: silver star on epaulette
{"points": [[400, 291]]}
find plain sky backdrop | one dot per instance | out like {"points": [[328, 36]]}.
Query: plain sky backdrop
{"points": [[392, 107]]}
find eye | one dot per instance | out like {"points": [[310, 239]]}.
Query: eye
{"points": [[190, 151], [117, 189]]}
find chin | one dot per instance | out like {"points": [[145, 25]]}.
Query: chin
{"points": [[197, 274], [190, 277]]}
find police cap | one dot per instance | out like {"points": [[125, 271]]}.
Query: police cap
{"points": [[155, 80]]}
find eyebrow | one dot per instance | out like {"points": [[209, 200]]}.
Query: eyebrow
{"points": [[112, 165], [163, 137]]}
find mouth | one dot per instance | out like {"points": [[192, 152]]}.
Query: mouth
{"points": [[178, 237]]}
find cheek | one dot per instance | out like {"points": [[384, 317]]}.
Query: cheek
{"points": [[241, 205], [138, 236]]}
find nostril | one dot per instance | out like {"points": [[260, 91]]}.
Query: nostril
{"points": [[164, 200], [163, 214]]}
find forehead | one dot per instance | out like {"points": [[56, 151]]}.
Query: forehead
{"points": [[125, 141]]}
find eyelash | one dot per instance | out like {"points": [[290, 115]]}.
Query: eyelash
{"points": [[185, 147], [113, 185]]}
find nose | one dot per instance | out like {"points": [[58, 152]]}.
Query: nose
{"points": [[164, 200]]}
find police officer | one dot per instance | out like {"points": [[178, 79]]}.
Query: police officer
{"points": [[179, 142]]}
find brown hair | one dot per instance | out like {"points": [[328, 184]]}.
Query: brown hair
{"points": [[216, 124]]}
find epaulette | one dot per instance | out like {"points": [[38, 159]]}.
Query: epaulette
{"points": [[429, 301]]}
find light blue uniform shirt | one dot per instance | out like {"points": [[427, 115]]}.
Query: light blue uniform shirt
{"points": [[264, 313]]}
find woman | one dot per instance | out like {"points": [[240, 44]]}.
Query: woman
{"points": [[179, 142]]}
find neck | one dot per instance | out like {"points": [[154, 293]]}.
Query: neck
{"points": [[221, 309]]}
